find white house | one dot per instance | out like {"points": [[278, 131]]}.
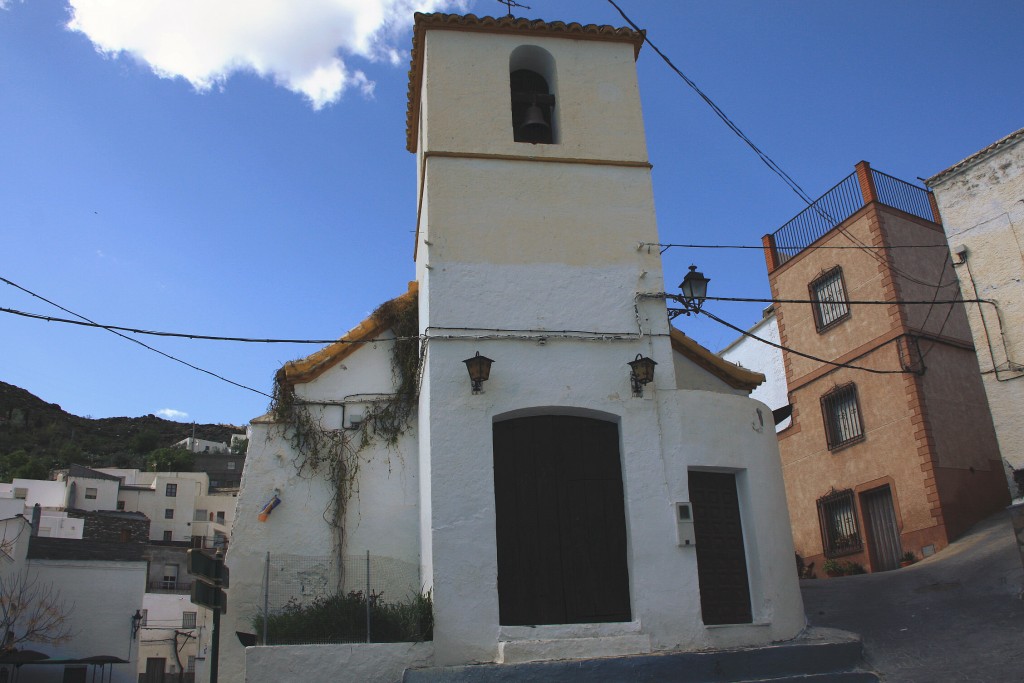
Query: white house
{"points": [[981, 200], [749, 352], [562, 508], [180, 505], [174, 635]]}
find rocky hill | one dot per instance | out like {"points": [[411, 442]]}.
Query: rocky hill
{"points": [[44, 429]]}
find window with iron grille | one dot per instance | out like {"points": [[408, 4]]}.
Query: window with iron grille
{"points": [[191, 664], [838, 521], [188, 619], [828, 293], [171, 491], [841, 411]]}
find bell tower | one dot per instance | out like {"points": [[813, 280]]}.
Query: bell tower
{"points": [[534, 192]]}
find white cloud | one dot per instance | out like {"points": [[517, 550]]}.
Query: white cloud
{"points": [[172, 414], [301, 45]]}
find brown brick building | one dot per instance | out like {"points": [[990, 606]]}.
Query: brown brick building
{"points": [[898, 453]]}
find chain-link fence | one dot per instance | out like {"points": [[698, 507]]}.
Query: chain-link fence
{"points": [[363, 599]]}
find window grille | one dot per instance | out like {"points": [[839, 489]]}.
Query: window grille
{"points": [[191, 664], [90, 493], [220, 516], [171, 491], [829, 295], [188, 619], [841, 412], [199, 516], [169, 513], [838, 521]]}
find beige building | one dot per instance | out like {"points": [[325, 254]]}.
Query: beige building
{"points": [[891, 448], [981, 200]]}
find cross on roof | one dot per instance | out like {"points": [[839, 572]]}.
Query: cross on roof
{"points": [[512, 3]]}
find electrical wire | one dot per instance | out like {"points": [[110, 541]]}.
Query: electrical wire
{"points": [[768, 161], [760, 247], [183, 335], [850, 366], [135, 341]]}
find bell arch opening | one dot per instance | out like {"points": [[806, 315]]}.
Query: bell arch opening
{"points": [[532, 84]]}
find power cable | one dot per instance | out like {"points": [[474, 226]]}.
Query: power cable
{"points": [[768, 161], [135, 341], [801, 353], [760, 247]]}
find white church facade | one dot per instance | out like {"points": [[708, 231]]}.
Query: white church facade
{"points": [[560, 509]]}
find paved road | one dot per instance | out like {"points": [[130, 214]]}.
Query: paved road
{"points": [[955, 617]]}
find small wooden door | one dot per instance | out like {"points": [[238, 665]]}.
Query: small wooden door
{"points": [[155, 669], [884, 546], [560, 521], [721, 558]]}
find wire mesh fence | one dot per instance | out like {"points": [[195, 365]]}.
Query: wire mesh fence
{"points": [[364, 598]]}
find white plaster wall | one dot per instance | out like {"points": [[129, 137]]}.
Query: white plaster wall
{"points": [[754, 355], [48, 494], [59, 525], [9, 507], [383, 517], [103, 597], [701, 429], [106, 493], [363, 662], [165, 616], [982, 208]]}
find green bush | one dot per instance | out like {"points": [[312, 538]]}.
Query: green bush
{"points": [[342, 619]]}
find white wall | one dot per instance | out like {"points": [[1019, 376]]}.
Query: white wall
{"points": [[765, 359], [105, 492], [164, 616], [104, 596], [48, 494], [363, 662], [982, 208], [382, 516]]}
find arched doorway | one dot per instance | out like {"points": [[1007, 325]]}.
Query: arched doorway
{"points": [[560, 518]]}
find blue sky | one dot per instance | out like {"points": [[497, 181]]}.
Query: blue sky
{"points": [[257, 207]]}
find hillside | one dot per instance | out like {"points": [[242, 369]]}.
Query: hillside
{"points": [[45, 430]]}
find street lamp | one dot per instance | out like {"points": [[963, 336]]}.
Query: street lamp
{"points": [[694, 288]]}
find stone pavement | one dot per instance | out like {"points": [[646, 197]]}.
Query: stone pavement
{"points": [[956, 617]]}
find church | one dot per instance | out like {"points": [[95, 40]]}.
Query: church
{"points": [[522, 436]]}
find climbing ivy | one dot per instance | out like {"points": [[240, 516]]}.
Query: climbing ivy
{"points": [[334, 453]]}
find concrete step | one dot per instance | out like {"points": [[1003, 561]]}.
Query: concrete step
{"points": [[544, 650], [819, 656]]}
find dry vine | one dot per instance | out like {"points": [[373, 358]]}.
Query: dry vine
{"points": [[331, 452]]}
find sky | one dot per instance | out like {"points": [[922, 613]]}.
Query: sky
{"points": [[238, 168]]}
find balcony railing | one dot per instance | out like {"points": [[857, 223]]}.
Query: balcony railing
{"points": [[846, 198], [169, 586]]}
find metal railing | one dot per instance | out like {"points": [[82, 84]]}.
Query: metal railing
{"points": [[315, 600], [899, 194], [827, 211], [841, 202], [169, 587]]}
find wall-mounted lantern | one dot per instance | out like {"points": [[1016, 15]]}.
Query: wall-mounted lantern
{"points": [[641, 372], [694, 288], [479, 368]]}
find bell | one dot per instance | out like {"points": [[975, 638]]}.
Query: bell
{"points": [[533, 121]]}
